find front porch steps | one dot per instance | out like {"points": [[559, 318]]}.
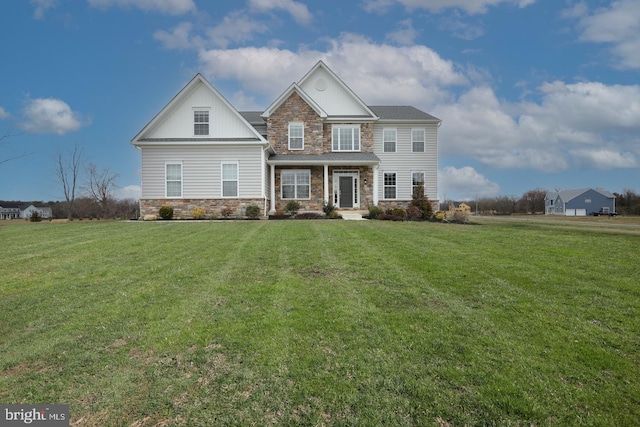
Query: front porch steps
{"points": [[353, 215]]}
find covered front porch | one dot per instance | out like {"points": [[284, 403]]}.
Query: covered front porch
{"points": [[347, 180]]}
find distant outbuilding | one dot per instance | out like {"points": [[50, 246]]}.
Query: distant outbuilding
{"points": [[582, 202]]}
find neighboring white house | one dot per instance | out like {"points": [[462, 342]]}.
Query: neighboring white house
{"points": [[580, 202], [11, 210], [317, 143], [43, 212]]}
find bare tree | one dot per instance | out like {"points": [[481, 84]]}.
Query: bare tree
{"points": [[100, 186], [5, 144], [68, 172]]}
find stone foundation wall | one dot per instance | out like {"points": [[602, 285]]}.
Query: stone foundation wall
{"points": [[182, 208]]}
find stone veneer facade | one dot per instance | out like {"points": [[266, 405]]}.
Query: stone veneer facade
{"points": [[317, 140], [182, 208]]}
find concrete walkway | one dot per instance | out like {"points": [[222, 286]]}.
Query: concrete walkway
{"points": [[352, 215]]}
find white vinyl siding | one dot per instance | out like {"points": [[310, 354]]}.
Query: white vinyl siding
{"points": [[417, 140], [201, 170], [345, 138], [296, 136], [390, 184], [295, 184], [173, 179], [223, 122], [405, 161], [229, 179], [390, 136]]}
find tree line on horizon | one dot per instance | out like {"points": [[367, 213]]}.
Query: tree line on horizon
{"points": [[532, 203]]}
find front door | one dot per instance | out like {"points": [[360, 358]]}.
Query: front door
{"points": [[345, 192]]}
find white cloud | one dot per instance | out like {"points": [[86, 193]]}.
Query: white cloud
{"points": [[128, 192], [298, 11], [50, 115], [177, 38], [572, 124], [170, 7], [405, 34], [4, 114], [617, 25], [41, 7], [460, 29], [379, 73], [469, 6], [465, 184], [604, 159], [236, 27]]}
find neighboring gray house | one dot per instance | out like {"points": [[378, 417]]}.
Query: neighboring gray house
{"points": [[580, 202]]}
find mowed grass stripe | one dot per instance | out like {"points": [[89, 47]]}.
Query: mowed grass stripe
{"points": [[312, 322]]}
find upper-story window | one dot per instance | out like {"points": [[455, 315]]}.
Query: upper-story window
{"points": [[345, 138], [389, 137], [296, 136], [417, 140], [201, 122]]}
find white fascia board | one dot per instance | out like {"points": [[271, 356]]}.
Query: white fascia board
{"points": [[286, 94]]}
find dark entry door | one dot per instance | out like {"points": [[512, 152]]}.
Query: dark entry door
{"points": [[346, 192]]}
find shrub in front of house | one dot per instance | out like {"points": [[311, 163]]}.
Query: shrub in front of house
{"points": [[198, 212], [252, 211], [420, 201], [292, 207], [390, 217], [397, 212], [440, 216], [166, 212], [414, 213], [375, 211], [335, 215], [309, 215], [328, 208], [227, 212]]}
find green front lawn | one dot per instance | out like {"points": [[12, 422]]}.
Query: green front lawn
{"points": [[322, 322]]}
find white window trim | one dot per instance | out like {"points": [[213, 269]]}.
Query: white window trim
{"points": [[424, 140], [353, 126], [424, 183], [295, 172], [384, 185], [301, 124], [193, 121], [395, 142], [222, 180], [166, 181]]}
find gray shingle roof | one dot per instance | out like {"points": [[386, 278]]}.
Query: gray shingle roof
{"points": [[327, 158], [400, 112]]}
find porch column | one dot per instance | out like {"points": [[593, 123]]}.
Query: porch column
{"points": [[326, 183], [272, 187], [375, 185]]}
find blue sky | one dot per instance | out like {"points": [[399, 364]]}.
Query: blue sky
{"points": [[532, 93]]}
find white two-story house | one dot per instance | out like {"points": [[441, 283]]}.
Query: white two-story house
{"points": [[317, 143]]}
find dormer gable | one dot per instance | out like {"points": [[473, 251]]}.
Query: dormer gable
{"points": [[333, 95], [294, 88], [198, 114]]}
